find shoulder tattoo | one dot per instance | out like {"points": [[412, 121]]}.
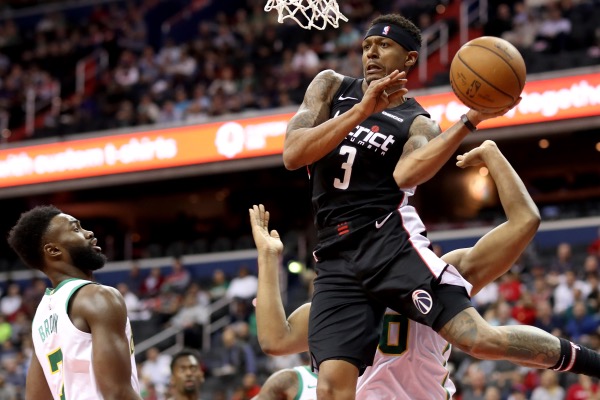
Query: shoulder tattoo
{"points": [[317, 101]]}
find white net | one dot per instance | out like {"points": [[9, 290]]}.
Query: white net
{"points": [[308, 13]]}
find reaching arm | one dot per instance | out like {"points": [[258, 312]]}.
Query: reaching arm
{"points": [[276, 334], [36, 386], [282, 385], [497, 250], [427, 150], [104, 310], [311, 134]]}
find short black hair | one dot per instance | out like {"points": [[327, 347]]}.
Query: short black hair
{"points": [[184, 353], [401, 22], [26, 236]]}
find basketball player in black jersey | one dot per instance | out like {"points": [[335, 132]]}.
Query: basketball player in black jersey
{"points": [[367, 147]]}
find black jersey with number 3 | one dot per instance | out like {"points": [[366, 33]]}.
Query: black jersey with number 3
{"points": [[356, 178]]}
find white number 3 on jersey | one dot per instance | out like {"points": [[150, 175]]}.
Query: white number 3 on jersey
{"points": [[346, 166]]}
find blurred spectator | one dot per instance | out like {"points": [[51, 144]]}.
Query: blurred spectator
{"points": [[585, 388], [135, 278], [305, 60], [179, 278], [33, 295], [136, 310], [580, 322], [152, 283], [187, 375], [500, 23], [524, 309], [7, 391], [190, 318], [569, 290], [553, 32], [549, 388], [502, 315], [243, 286], [509, 288], [156, 368], [12, 301], [475, 383], [546, 320], [219, 285], [594, 247], [562, 261], [235, 359]]}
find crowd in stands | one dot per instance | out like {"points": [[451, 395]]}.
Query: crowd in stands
{"points": [[557, 290], [234, 59]]}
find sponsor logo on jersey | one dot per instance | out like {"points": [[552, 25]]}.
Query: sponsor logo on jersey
{"points": [[371, 138], [392, 116], [342, 98], [422, 300]]}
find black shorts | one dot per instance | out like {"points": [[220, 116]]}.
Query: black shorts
{"points": [[369, 268]]}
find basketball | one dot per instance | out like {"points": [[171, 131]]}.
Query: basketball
{"points": [[488, 74]]}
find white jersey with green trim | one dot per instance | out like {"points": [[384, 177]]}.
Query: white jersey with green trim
{"points": [[65, 352], [307, 384], [410, 363]]}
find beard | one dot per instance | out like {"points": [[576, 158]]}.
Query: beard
{"points": [[87, 259]]}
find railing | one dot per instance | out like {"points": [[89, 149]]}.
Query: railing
{"points": [[33, 105], [438, 31], [207, 330], [88, 68], [471, 11]]}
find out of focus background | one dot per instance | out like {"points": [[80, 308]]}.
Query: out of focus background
{"points": [[158, 123]]}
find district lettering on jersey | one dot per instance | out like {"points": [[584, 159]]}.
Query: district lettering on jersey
{"points": [[371, 139], [49, 327]]}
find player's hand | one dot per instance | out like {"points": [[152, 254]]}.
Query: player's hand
{"points": [[476, 156], [477, 116], [264, 240], [383, 92]]}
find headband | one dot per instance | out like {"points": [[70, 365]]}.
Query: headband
{"points": [[395, 33]]}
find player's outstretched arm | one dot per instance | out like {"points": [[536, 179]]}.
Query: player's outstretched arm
{"points": [[282, 385], [497, 250], [103, 308], [36, 386], [428, 149], [311, 134], [276, 334]]}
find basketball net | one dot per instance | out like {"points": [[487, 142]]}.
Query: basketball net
{"points": [[308, 13]]}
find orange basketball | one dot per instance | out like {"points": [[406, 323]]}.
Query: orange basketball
{"points": [[488, 74]]}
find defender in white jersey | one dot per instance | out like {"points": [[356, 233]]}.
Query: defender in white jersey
{"points": [[298, 383], [81, 333], [410, 362]]}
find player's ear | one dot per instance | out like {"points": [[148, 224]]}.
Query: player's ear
{"points": [[411, 58], [52, 250]]}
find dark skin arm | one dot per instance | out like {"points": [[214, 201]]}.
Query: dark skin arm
{"points": [[500, 248], [101, 311], [282, 385], [428, 148], [311, 134], [36, 387]]}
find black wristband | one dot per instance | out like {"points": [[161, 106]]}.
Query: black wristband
{"points": [[467, 123]]}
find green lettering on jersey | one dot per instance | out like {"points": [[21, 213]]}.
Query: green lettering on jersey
{"points": [[49, 326]]}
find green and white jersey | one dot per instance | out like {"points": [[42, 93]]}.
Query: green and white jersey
{"points": [[65, 352], [410, 363], [307, 384]]}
